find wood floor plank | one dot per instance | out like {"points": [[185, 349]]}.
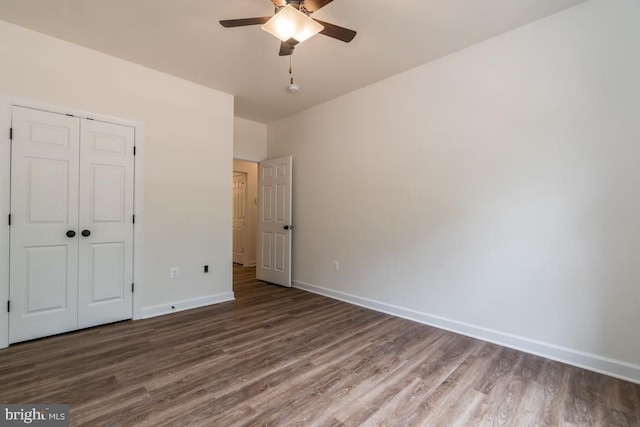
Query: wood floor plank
{"points": [[457, 386], [279, 356]]}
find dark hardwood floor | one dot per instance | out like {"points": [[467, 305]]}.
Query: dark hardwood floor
{"points": [[279, 356]]}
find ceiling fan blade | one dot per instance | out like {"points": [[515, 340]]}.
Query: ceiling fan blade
{"points": [[228, 23], [337, 32], [286, 49], [314, 5]]}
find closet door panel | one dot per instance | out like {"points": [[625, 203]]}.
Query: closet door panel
{"points": [[43, 278], [106, 223]]}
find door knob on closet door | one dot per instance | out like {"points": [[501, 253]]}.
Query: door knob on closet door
{"points": [[86, 233], [71, 233]]}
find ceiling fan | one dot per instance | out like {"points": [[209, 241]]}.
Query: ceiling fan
{"points": [[294, 14]]}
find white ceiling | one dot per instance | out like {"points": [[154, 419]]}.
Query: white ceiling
{"points": [[183, 38]]}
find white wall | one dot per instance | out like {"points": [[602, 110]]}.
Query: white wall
{"points": [[188, 155], [493, 192], [249, 140]]}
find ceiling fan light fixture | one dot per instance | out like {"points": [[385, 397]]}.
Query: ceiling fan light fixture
{"points": [[290, 23]]}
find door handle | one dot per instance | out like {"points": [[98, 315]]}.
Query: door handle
{"points": [[71, 234], [288, 227], [86, 233]]}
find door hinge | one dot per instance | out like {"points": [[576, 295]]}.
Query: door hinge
{"points": [[8, 306], [9, 219], [11, 133], [134, 219], [133, 287], [134, 150]]}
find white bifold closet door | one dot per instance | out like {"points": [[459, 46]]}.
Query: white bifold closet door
{"points": [[71, 254], [106, 211]]}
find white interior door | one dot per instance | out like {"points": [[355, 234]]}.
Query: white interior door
{"points": [[44, 224], [239, 200], [71, 258], [105, 223], [274, 221]]}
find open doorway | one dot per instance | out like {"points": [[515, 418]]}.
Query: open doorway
{"points": [[239, 215], [245, 213]]}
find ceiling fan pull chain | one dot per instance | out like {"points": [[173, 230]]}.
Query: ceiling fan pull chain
{"points": [[292, 88], [291, 67]]}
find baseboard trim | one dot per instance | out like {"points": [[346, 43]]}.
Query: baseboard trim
{"points": [[162, 309], [603, 365]]}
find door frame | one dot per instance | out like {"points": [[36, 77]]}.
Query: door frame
{"points": [[244, 228], [6, 105], [251, 210]]}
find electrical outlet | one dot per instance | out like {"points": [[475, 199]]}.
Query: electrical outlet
{"points": [[336, 265], [174, 272]]}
